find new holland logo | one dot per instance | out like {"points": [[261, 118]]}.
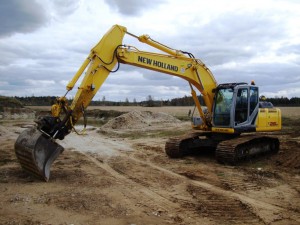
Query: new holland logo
{"points": [[156, 63]]}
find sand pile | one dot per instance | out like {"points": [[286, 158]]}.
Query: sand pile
{"points": [[140, 119], [16, 113]]}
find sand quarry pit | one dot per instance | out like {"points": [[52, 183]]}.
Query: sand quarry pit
{"points": [[119, 174]]}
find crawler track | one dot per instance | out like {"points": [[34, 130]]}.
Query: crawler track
{"points": [[228, 149], [238, 149], [181, 146]]}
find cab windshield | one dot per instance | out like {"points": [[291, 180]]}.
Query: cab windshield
{"points": [[221, 116]]}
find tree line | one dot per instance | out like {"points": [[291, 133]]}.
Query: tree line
{"points": [[283, 101], [149, 102]]}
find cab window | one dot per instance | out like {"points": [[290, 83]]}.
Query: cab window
{"points": [[241, 108], [253, 98], [222, 109]]}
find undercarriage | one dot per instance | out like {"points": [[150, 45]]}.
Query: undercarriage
{"points": [[229, 149]]}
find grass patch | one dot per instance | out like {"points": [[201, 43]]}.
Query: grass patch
{"points": [[220, 174], [290, 122], [96, 113], [182, 118], [98, 117], [93, 122], [9, 102], [291, 125], [149, 134], [257, 163]]}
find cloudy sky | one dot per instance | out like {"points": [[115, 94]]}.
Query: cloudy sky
{"points": [[44, 42]]}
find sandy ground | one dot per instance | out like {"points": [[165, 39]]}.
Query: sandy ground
{"points": [[106, 178]]}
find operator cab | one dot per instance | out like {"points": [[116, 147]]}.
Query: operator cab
{"points": [[236, 106]]}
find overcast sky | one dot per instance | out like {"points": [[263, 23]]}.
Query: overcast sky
{"points": [[44, 42]]}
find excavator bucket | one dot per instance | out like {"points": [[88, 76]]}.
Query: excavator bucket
{"points": [[36, 153]]}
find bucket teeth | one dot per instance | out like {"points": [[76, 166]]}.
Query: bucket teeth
{"points": [[36, 153]]}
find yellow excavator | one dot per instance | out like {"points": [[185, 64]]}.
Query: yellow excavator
{"points": [[229, 124]]}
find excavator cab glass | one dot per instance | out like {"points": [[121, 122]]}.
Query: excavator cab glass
{"points": [[241, 106], [236, 106], [222, 108]]}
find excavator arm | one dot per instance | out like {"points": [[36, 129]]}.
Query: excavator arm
{"points": [[110, 52], [192, 70], [36, 148]]}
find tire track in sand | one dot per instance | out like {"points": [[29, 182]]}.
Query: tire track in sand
{"points": [[185, 206], [262, 210], [268, 212], [138, 191], [265, 211]]}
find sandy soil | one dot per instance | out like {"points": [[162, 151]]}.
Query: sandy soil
{"points": [[106, 178], [172, 110]]}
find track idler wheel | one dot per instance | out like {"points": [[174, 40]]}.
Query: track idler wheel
{"points": [[36, 153], [177, 147]]}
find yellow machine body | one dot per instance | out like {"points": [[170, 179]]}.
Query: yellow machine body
{"points": [[268, 119], [36, 156]]}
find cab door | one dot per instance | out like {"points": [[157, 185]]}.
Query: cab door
{"points": [[241, 106], [246, 108]]}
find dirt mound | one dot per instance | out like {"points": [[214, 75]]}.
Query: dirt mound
{"points": [[11, 108], [289, 156], [9, 102], [16, 113], [140, 119]]}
